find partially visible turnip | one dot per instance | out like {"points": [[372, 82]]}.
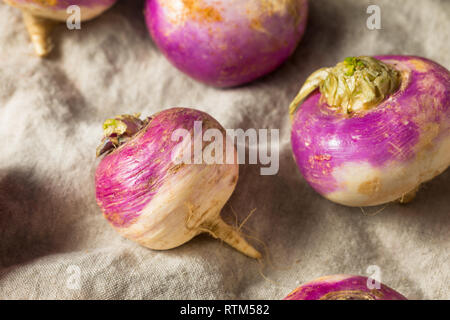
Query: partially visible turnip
{"points": [[344, 287], [152, 198], [226, 42], [41, 15]]}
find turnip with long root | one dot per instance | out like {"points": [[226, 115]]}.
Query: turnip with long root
{"points": [[153, 187], [40, 16]]}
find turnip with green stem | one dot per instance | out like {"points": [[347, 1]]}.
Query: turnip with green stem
{"points": [[372, 129]]}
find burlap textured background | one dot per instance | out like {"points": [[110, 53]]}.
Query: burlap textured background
{"points": [[51, 113]]}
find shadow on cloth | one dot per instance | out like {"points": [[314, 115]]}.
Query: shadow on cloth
{"points": [[31, 223]]}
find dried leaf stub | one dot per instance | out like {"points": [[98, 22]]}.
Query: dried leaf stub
{"points": [[119, 130], [356, 84], [359, 83]]}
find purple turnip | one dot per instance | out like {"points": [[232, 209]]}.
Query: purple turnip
{"points": [[40, 16], [152, 199], [344, 287], [226, 43], [371, 130]]}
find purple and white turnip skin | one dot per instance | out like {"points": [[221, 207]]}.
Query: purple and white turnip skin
{"points": [[158, 202], [373, 148], [343, 287], [39, 17], [226, 43]]}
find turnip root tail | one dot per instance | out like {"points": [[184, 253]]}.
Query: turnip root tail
{"points": [[220, 230], [39, 30], [409, 196]]}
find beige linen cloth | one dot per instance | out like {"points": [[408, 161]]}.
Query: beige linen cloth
{"points": [[54, 242]]}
